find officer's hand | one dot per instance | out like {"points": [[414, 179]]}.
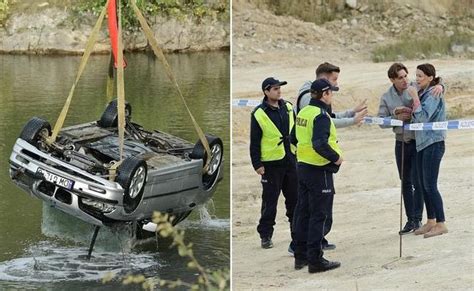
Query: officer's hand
{"points": [[362, 106], [339, 162], [359, 116], [260, 170]]}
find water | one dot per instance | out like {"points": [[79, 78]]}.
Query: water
{"points": [[43, 248]]}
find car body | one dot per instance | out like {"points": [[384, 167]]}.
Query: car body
{"points": [[80, 173]]}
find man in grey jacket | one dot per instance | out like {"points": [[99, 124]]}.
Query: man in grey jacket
{"points": [[397, 104], [331, 72]]}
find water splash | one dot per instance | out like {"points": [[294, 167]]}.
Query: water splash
{"points": [[47, 262], [207, 219]]}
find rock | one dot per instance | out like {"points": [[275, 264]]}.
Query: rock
{"points": [[44, 4], [259, 51], [351, 3], [380, 38], [470, 49], [344, 21], [354, 22], [449, 33], [363, 8]]}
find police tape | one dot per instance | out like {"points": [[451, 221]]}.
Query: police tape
{"points": [[383, 121], [443, 125], [245, 102]]}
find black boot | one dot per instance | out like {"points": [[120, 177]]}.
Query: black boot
{"points": [[266, 243], [322, 266], [410, 226], [300, 263]]}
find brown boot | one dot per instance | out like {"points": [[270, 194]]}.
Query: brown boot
{"points": [[425, 228], [439, 229]]}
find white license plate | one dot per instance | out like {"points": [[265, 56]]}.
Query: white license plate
{"points": [[55, 179]]}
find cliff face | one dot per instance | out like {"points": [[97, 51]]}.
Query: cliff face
{"points": [[41, 28]]}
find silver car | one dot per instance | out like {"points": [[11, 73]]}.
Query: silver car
{"points": [[78, 173]]}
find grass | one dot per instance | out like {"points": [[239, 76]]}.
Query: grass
{"points": [[415, 48], [3, 11], [178, 9]]}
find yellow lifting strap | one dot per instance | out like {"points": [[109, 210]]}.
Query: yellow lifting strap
{"points": [[120, 86], [87, 52], [159, 53]]}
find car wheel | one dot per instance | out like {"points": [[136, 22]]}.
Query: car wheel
{"points": [[180, 217], [110, 116], [132, 177], [210, 176], [34, 130]]}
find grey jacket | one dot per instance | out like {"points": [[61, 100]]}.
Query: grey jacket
{"points": [[388, 102], [342, 119], [432, 109]]}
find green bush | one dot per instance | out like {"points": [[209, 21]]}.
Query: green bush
{"points": [[171, 8], [207, 279], [3, 11], [420, 48]]}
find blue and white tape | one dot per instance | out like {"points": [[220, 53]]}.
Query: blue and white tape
{"points": [[383, 121], [245, 102], [444, 125]]}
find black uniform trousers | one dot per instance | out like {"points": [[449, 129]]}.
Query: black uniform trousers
{"points": [[313, 210], [275, 180]]}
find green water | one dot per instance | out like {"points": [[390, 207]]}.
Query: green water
{"points": [[38, 86]]}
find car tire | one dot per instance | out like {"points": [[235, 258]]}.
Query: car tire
{"points": [[217, 150], [131, 176], [33, 130], [180, 217], [110, 116]]}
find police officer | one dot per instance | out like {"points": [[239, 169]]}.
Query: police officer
{"points": [[273, 156], [319, 156]]}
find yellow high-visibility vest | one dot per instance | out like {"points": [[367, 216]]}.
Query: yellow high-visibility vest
{"points": [[304, 133], [272, 147]]}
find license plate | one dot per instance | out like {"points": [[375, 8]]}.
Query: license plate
{"points": [[55, 179]]}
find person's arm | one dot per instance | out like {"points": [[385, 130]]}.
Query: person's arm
{"points": [[427, 109], [293, 139], [385, 110], [345, 114], [343, 122], [255, 143], [321, 132], [422, 112]]}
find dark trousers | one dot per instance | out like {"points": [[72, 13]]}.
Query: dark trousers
{"points": [[428, 163], [314, 208], [274, 181], [412, 192]]}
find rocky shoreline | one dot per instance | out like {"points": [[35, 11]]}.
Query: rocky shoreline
{"points": [[56, 31]]}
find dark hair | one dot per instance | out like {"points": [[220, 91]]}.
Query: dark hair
{"points": [[317, 94], [430, 71], [394, 69], [326, 68]]}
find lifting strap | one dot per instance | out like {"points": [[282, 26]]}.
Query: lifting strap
{"points": [[159, 53], [120, 86], [87, 52]]}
